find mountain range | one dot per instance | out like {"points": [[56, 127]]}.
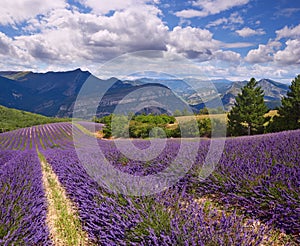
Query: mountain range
{"points": [[54, 93], [198, 92]]}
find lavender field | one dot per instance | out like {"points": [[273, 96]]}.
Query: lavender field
{"points": [[251, 198]]}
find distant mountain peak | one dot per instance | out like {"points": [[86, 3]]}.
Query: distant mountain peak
{"points": [[53, 93]]}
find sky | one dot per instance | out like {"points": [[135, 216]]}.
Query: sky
{"points": [[230, 39]]}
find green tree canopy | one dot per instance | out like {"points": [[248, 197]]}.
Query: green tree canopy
{"points": [[289, 112], [247, 114]]}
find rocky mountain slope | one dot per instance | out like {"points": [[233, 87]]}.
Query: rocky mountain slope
{"points": [[199, 92], [54, 93]]}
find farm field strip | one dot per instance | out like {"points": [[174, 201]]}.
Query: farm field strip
{"points": [[250, 199], [18, 149], [22, 202], [44, 136], [265, 185], [290, 221], [63, 223], [107, 216]]}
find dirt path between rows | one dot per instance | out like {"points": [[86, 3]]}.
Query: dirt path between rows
{"points": [[62, 219]]}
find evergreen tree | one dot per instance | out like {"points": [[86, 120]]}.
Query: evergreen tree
{"points": [[289, 112], [247, 114]]}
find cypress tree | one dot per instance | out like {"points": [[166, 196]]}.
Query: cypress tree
{"points": [[247, 115]]}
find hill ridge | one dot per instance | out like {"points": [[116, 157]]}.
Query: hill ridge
{"points": [[54, 93]]}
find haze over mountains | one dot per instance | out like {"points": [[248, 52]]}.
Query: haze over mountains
{"points": [[54, 93]]}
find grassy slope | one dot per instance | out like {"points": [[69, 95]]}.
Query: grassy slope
{"points": [[11, 119], [221, 117]]}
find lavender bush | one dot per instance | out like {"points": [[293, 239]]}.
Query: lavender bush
{"points": [[253, 192], [22, 202]]}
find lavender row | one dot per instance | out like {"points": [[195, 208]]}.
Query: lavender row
{"points": [[168, 218], [22, 202], [91, 126], [265, 185], [57, 135], [99, 214], [6, 156], [260, 175]]}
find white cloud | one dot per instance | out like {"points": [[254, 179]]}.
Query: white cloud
{"points": [[228, 56], [247, 32], [287, 12], [193, 42], [217, 22], [190, 13], [5, 45], [260, 71], [290, 55], [241, 71], [12, 55], [287, 32], [264, 53], [272, 51], [67, 36], [210, 7], [236, 45], [234, 19], [63, 38], [105, 6], [15, 11], [217, 6], [196, 43]]}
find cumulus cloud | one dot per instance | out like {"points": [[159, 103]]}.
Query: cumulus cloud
{"points": [[259, 71], [13, 55], [67, 36], [247, 32], [217, 6], [287, 32], [196, 43], [228, 56], [193, 42], [273, 51], [5, 45], [290, 55], [264, 53], [116, 5], [15, 11], [210, 7]]}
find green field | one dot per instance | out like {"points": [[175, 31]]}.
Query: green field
{"points": [[11, 119]]}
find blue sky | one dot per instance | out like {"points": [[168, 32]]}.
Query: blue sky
{"points": [[232, 39]]}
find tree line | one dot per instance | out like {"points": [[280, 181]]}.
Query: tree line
{"points": [[246, 117], [155, 126]]}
